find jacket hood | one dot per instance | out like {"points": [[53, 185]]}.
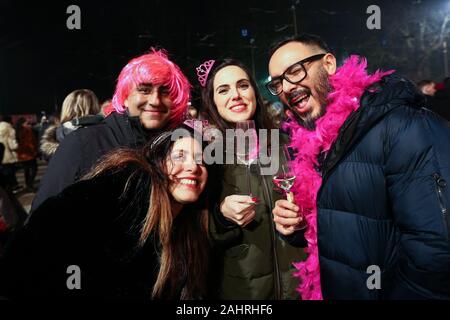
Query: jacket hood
{"points": [[54, 135], [378, 101], [49, 142], [385, 96], [391, 92]]}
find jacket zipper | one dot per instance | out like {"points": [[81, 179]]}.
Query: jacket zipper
{"points": [[274, 244], [441, 184], [324, 171]]}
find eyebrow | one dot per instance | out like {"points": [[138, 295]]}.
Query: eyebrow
{"points": [[243, 80], [186, 152], [181, 150], [140, 85], [151, 85], [237, 82], [222, 86], [279, 76]]}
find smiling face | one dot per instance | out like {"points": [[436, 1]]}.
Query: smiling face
{"points": [[234, 95], [151, 103], [187, 171], [307, 98]]}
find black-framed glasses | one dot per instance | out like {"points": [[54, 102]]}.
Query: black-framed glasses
{"points": [[294, 74]]}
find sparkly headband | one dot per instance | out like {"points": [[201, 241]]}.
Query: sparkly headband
{"points": [[159, 139], [198, 125], [203, 71]]}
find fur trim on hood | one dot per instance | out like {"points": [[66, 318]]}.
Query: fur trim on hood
{"points": [[49, 142], [54, 135]]}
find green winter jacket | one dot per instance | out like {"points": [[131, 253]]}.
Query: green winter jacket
{"points": [[251, 262]]}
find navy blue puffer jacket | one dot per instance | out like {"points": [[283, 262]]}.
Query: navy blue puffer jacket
{"points": [[384, 200]]}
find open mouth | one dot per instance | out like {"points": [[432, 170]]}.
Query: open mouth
{"points": [[189, 183], [300, 101], [238, 108]]}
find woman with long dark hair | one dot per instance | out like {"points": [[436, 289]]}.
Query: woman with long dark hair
{"points": [[253, 262], [134, 227]]}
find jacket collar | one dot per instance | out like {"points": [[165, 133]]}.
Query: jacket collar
{"points": [[376, 103], [129, 130]]}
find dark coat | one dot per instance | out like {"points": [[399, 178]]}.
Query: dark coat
{"points": [[80, 150], [440, 103], [252, 262], [54, 135], [384, 200], [91, 226]]}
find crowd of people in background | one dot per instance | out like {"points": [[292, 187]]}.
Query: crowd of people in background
{"points": [[24, 142], [144, 218]]}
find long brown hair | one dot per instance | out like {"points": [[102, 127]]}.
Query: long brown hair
{"points": [[183, 240], [261, 116]]}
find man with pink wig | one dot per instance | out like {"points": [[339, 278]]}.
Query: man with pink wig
{"points": [[151, 94]]}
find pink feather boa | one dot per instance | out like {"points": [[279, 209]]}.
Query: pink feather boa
{"points": [[348, 83]]}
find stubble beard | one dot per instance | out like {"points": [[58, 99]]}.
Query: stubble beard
{"points": [[323, 89]]}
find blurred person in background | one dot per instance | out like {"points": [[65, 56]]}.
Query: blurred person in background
{"points": [[27, 151], [427, 87], [12, 214], [79, 109], [9, 159], [192, 112], [441, 101]]}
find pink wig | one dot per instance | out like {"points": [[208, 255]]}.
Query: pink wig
{"points": [[155, 68]]}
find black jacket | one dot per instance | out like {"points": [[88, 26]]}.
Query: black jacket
{"points": [[54, 135], [440, 103], [384, 200], [80, 150], [89, 225]]}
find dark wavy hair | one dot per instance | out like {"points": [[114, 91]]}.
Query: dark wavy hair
{"points": [[184, 240], [261, 116]]}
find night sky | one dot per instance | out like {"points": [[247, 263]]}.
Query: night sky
{"points": [[41, 61]]}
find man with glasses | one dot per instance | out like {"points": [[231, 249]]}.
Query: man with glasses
{"points": [[372, 169], [305, 102]]}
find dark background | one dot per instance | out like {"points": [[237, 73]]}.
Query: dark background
{"points": [[41, 61]]}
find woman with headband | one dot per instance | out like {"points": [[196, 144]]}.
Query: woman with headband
{"points": [[135, 227], [253, 262]]}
